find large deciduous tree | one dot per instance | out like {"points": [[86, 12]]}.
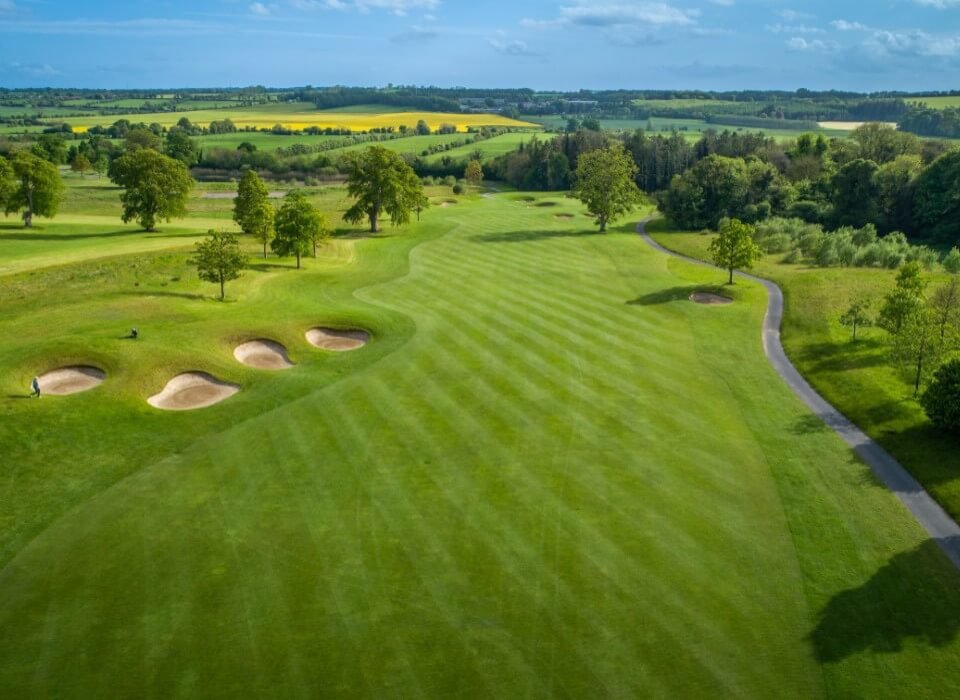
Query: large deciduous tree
{"points": [[37, 187], [382, 181], [936, 206], [179, 145], [856, 193], [219, 259], [734, 248], [297, 224], [604, 182], [8, 183], [252, 209], [155, 186], [473, 173]]}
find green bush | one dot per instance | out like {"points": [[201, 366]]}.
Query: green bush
{"points": [[941, 400]]}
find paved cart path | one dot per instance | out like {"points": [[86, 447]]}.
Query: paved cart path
{"points": [[927, 511]]}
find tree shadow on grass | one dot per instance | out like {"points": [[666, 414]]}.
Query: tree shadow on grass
{"points": [[808, 425], [665, 296], [158, 293], [833, 357], [268, 266], [524, 236], [33, 235], [914, 597]]}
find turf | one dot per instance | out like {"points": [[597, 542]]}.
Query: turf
{"points": [[549, 475], [859, 378]]}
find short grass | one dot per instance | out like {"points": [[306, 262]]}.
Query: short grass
{"points": [[858, 378], [549, 475], [300, 115]]}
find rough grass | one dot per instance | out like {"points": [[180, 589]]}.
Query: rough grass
{"points": [[858, 378], [549, 475]]}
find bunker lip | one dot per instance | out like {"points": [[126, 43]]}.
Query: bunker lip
{"points": [[263, 353], [709, 298], [337, 340], [70, 380], [192, 390]]}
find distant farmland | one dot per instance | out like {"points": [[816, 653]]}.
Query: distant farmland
{"points": [[297, 116]]}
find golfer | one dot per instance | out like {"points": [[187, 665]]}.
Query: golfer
{"points": [[35, 385]]}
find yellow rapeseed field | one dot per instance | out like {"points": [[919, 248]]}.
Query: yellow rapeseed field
{"points": [[298, 116]]}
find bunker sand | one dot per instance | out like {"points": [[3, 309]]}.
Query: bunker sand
{"points": [[709, 298], [263, 354], [337, 340], [192, 390], [71, 380]]}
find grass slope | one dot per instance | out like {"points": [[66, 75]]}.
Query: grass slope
{"points": [[859, 378], [549, 475]]}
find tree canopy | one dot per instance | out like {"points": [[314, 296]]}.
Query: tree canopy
{"points": [[155, 186], [297, 224], [219, 259], [37, 187], [381, 181], [252, 209], [604, 182], [734, 248]]}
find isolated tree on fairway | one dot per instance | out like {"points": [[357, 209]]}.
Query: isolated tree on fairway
{"points": [[381, 181], [252, 209], [297, 224], [321, 234], [604, 182], [37, 189], [473, 173], [734, 248], [857, 316], [905, 300], [155, 186], [219, 259], [941, 400], [80, 164]]}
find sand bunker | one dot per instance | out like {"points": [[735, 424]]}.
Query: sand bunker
{"points": [[447, 203], [192, 390], [708, 298], [337, 340], [70, 380], [263, 354]]}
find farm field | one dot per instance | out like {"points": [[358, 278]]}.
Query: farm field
{"points": [[857, 378], [548, 474], [939, 101], [692, 129], [490, 148], [300, 115]]}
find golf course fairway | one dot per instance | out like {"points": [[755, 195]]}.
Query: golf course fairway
{"points": [[548, 474]]}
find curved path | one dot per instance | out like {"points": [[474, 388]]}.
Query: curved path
{"points": [[927, 511]]}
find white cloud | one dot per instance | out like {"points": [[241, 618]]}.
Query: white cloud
{"points": [[258, 8], [939, 4], [794, 15], [798, 43], [845, 26], [510, 47], [723, 3], [792, 29], [913, 42], [643, 13], [37, 69], [397, 7]]}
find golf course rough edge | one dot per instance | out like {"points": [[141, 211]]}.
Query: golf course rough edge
{"points": [[192, 390], [337, 340], [71, 380], [263, 353], [934, 519]]}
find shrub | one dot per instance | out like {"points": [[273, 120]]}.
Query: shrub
{"points": [[458, 188], [941, 400], [777, 243], [794, 256], [951, 263]]}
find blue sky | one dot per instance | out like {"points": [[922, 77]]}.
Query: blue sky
{"points": [[544, 44]]}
